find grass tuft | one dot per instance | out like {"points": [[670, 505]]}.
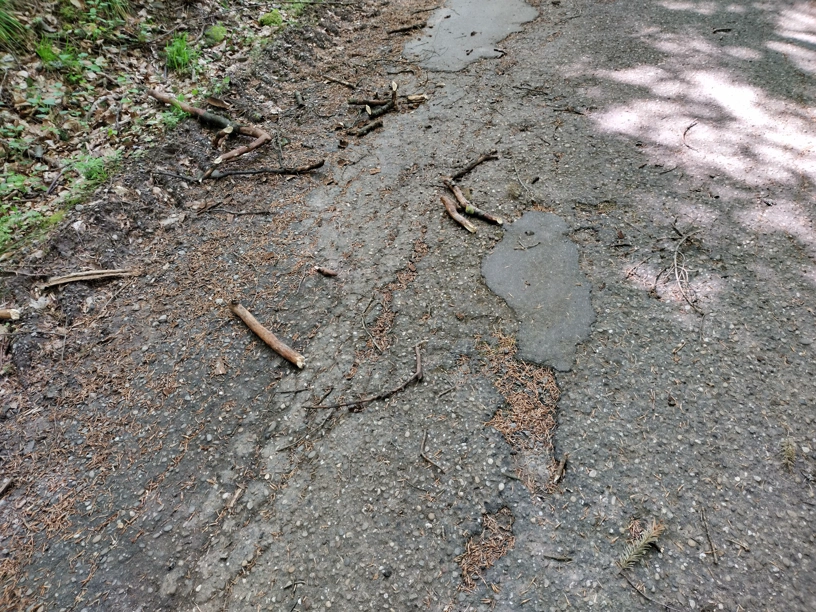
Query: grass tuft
{"points": [[179, 54], [12, 32]]}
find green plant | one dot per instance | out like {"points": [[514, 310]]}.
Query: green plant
{"points": [[12, 32], [272, 18], [215, 34], [15, 223], [171, 118], [95, 170], [179, 54], [46, 52]]}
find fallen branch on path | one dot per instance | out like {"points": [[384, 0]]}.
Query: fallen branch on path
{"points": [[480, 160], [367, 102], [367, 128], [454, 214], [325, 271], [380, 396], [85, 276], [465, 205], [267, 336], [226, 127], [339, 81]]}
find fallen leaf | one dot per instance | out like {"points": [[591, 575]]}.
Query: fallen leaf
{"points": [[213, 101], [220, 368]]}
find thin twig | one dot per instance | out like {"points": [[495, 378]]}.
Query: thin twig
{"points": [[426, 457], [686, 131], [646, 597], [480, 160], [708, 535], [417, 376], [677, 267], [339, 81]]}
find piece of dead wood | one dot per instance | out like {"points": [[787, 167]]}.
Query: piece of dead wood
{"points": [[368, 127], [325, 271], [217, 174], [417, 376], [367, 102], [466, 206], [379, 111], [560, 469], [339, 81], [5, 486], [85, 276], [9, 314], [480, 160], [211, 119], [408, 28], [426, 457], [267, 336], [454, 214]]}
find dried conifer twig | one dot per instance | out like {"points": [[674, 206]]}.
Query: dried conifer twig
{"points": [[637, 549]]}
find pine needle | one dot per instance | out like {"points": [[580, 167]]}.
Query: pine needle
{"points": [[637, 549]]}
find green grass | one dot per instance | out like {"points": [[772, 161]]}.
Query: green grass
{"points": [[12, 32], [179, 54], [14, 224]]}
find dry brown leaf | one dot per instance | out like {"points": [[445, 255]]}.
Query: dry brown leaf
{"points": [[220, 368]]}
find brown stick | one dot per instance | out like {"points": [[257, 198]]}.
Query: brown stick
{"points": [[207, 118], [339, 81], [84, 276], [385, 394], [367, 128], [267, 336], [367, 102], [474, 163], [9, 314], [5, 486], [325, 271], [469, 208], [454, 214]]}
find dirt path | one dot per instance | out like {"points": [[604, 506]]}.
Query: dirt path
{"points": [[167, 460]]}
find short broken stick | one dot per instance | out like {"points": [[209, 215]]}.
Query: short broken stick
{"points": [[9, 314], [426, 457], [267, 336], [380, 396], [469, 208], [368, 127], [454, 214], [85, 276], [325, 271], [408, 28], [708, 535], [367, 102], [381, 110], [474, 163]]}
